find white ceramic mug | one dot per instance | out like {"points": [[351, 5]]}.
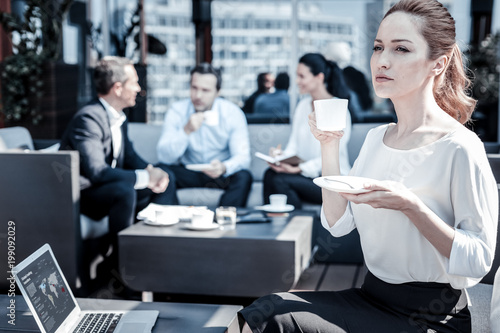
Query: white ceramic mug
{"points": [[331, 114], [211, 117], [278, 200], [202, 219]]}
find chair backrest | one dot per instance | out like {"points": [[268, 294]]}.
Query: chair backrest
{"points": [[15, 137], [494, 160], [496, 261], [39, 197]]}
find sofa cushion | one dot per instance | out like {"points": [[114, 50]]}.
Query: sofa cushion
{"points": [[199, 196], [145, 137]]}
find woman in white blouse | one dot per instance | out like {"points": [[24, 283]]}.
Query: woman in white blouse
{"points": [[319, 79], [428, 221]]}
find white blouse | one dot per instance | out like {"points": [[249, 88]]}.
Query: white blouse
{"points": [[303, 143], [452, 176]]}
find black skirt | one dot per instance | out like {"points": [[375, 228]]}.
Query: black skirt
{"points": [[375, 307]]}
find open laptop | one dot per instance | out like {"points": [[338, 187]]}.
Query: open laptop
{"points": [[54, 307]]}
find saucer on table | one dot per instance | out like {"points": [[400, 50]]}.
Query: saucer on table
{"points": [[212, 226], [276, 209]]}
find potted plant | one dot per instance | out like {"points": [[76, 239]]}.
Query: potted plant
{"points": [[31, 76]]}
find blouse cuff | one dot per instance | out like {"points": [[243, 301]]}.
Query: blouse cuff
{"points": [[463, 262], [341, 227]]}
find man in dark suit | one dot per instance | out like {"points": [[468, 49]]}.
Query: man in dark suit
{"points": [[114, 180]]}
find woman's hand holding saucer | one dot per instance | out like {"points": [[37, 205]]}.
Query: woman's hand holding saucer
{"points": [[384, 194]]}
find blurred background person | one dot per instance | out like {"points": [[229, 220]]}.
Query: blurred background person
{"points": [[276, 104], [208, 130], [265, 82]]}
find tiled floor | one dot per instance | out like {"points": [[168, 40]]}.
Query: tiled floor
{"points": [[331, 277]]}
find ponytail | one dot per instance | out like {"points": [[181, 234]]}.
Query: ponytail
{"points": [[334, 79], [452, 89]]}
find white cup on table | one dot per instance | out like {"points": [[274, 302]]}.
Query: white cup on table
{"points": [[278, 200], [202, 218], [331, 114]]}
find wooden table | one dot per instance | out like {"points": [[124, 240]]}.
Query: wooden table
{"points": [[174, 317], [250, 261]]}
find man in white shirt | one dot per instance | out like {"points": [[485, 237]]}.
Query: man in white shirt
{"points": [[216, 140]]}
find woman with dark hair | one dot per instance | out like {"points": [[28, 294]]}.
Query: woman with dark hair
{"points": [[427, 216], [320, 79]]}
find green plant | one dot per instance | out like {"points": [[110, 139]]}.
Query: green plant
{"points": [[38, 41]]}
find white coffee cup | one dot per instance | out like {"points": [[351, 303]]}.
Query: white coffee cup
{"points": [[331, 114], [166, 216], [202, 218], [278, 200], [211, 117]]}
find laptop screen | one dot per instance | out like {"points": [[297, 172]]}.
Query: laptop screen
{"points": [[47, 292]]}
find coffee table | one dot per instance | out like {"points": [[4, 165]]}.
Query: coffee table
{"points": [[174, 317], [252, 260]]}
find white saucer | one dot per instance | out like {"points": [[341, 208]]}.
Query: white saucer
{"points": [[343, 184], [160, 224], [199, 167], [275, 209], [212, 226]]}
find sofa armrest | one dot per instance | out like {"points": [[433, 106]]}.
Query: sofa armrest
{"points": [[40, 194]]}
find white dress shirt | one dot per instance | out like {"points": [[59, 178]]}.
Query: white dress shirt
{"points": [[116, 120], [227, 142], [303, 143], [453, 178]]}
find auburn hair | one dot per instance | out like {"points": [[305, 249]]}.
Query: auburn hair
{"points": [[452, 86]]}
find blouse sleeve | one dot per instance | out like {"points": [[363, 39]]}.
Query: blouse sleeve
{"points": [[474, 196]]}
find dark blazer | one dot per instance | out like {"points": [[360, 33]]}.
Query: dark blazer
{"points": [[89, 132]]}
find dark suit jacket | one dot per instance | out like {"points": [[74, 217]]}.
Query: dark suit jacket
{"points": [[89, 132]]}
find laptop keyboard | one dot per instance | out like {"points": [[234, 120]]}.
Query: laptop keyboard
{"points": [[98, 323]]}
